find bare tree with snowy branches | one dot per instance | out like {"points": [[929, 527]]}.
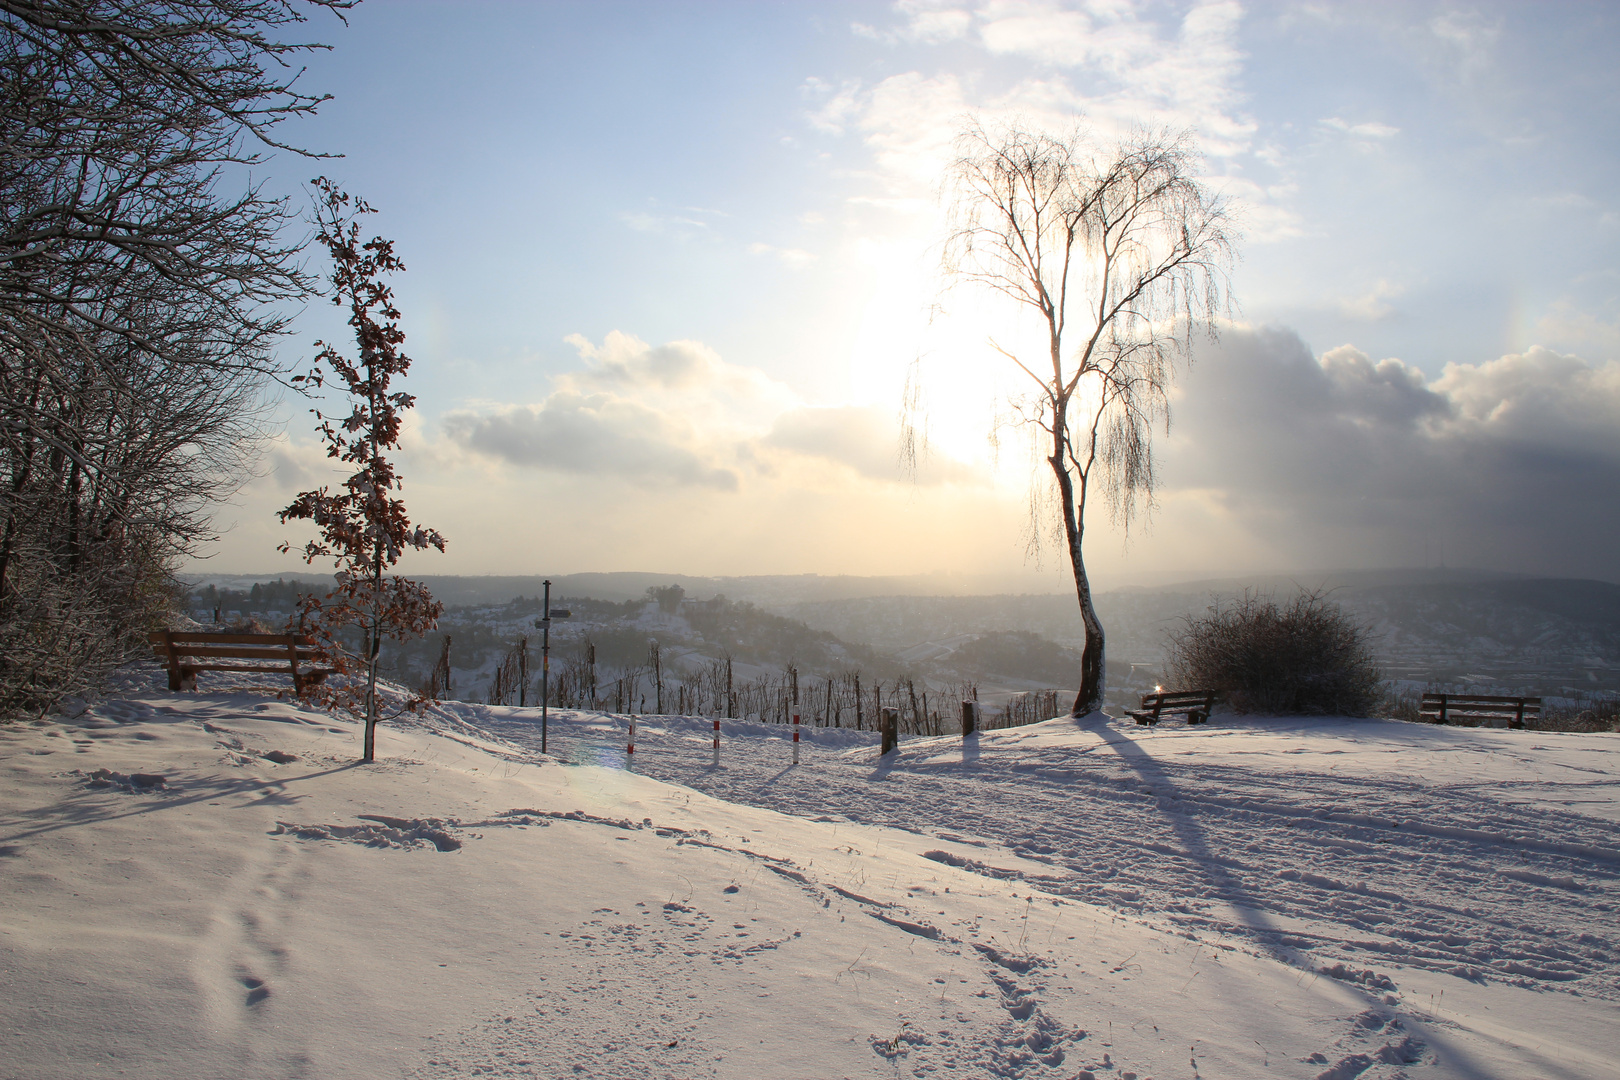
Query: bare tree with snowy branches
{"points": [[1124, 255]]}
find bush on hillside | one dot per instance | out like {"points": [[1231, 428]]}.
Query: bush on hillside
{"points": [[1307, 657], [1019, 654]]}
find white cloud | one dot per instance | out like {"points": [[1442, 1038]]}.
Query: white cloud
{"points": [[1117, 64], [295, 467], [911, 123], [681, 221], [642, 221], [595, 435], [934, 22], [1051, 35], [834, 106], [865, 439], [684, 376], [928, 22], [1571, 326], [793, 257], [1369, 129], [677, 415], [1467, 41], [674, 414], [1264, 212], [1183, 76], [1374, 304]]}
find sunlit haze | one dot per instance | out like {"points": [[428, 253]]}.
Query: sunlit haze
{"points": [[671, 266]]}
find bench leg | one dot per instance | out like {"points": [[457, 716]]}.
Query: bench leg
{"points": [[174, 661]]}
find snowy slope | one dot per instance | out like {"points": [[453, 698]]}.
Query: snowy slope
{"points": [[1489, 854], [500, 914]]}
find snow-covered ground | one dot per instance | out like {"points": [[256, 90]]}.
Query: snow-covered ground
{"points": [[1299, 899]]}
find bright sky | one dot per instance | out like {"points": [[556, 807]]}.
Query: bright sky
{"points": [[670, 264]]}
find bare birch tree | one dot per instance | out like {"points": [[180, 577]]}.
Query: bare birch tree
{"points": [[1123, 254]]}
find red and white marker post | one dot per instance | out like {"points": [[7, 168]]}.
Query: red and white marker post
{"points": [[795, 734], [717, 743]]}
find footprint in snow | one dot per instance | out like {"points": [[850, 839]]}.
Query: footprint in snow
{"points": [[257, 991]]}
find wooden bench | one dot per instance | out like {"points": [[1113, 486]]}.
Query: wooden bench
{"points": [[1487, 710], [186, 653], [1195, 703]]}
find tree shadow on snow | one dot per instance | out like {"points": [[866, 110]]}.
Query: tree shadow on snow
{"points": [[82, 806], [1193, 840]]}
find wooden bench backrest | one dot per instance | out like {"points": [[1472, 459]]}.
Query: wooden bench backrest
{"points": [[1480, 707], [193, 637], [1175, 699], [1481, 700], [237, 651]]}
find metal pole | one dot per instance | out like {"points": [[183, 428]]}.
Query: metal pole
{"points": [[545, 664]]}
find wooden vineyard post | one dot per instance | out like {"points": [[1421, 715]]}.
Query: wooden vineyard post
{"points": [[970, 718], [890, 725], [717, 743], [523, 672], [795, 734], [630, 748]]}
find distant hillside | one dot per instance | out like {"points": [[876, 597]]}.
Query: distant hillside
{"points": [[1429, 625], [1434, 625], [771, 590]]}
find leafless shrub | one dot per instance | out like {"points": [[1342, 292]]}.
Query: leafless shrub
{"points": [[1598, 712], [251, 625], [1402, 705], [1307, 657], [61, 634], [511, 682], [437, 685]]}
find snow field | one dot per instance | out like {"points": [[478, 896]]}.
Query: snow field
{"points": [[465, 908], [1488, 855]]}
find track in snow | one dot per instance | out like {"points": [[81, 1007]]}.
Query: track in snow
{"points": [[1407, 866]]}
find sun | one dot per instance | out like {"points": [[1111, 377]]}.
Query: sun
{"points": [[917, 345]]}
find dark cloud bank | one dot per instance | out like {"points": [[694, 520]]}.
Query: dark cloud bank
{"points": [[1512, 464]]}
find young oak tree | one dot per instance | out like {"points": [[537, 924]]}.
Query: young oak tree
{"points": [[1124, 256], [363, 525]]}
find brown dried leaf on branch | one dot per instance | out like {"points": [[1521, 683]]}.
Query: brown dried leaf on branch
{"points": [[363, 525]]}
